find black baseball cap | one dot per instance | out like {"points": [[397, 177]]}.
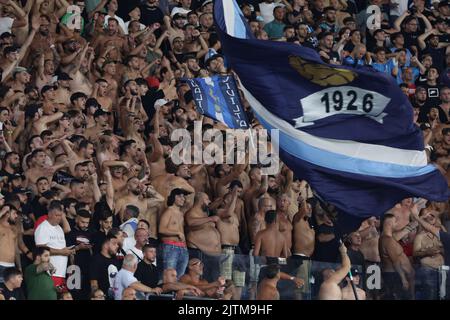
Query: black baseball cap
{"points": [[100, 112], [177, 16], [10, 49], [5, 35], [47, 88], [355, 272]]}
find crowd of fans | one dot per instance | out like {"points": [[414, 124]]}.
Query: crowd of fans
{"points": [[92, 205]]}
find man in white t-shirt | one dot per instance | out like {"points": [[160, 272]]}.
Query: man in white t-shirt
{"points": [[267, 6], [141, 238], [125, 278], [50, 234], [112, 7]]}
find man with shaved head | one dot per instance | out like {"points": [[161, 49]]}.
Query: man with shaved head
{"points": [[284, 223]]}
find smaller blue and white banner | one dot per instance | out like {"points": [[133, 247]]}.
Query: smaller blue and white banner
{"points": [[217, 97]]}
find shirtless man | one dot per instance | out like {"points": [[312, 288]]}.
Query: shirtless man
{"points": [[78, 101], [171, 229], [130, 153], [100, 93], [257, 222], [303, 233], [213, 290], [39, 168], [369, 241], [347, 291], [224, 175], [40, 122], [170, 284], [228, 225], [111, 37], [428, 249], [202, 233], [45, 73], [101, 118], [119, 181], [132, 70], [9, 255], [329, 289], [398, 272], [165, 183], [402, 212], [148, 201], [80, 71], [63, 93], [267, 289], [258, 186], [109, 73], [160, 152], [285, 225], [21, 78], [270, 242], [85, 152]]}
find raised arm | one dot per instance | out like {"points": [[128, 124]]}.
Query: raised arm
{"points": [[99, 7], [418, 64], [422, 37], [399, 20], [20, 14], [34, 27], [52, 118], [204, 46], [257, 248], [344, 269], [109, 188], [428, 26]]}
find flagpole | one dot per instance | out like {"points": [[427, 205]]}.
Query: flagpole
{"points": [[340, 241], [351, 278]]}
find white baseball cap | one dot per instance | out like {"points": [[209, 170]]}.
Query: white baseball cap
{"points": [[160, 103]]}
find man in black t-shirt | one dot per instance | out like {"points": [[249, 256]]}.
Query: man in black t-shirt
{"points": [[325, 48], [12, 165], [10, 290], [148, 272], [151, 13], [327, 243], [81, 237], [429, 44], [432, 87], [104, 267]]}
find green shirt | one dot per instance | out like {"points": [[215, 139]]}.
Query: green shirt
{"points": [[274, 29], [66, 19], [39, 286]]}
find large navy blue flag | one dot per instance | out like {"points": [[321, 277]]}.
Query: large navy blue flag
{"points": [[348, 132], [217, 97]]}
